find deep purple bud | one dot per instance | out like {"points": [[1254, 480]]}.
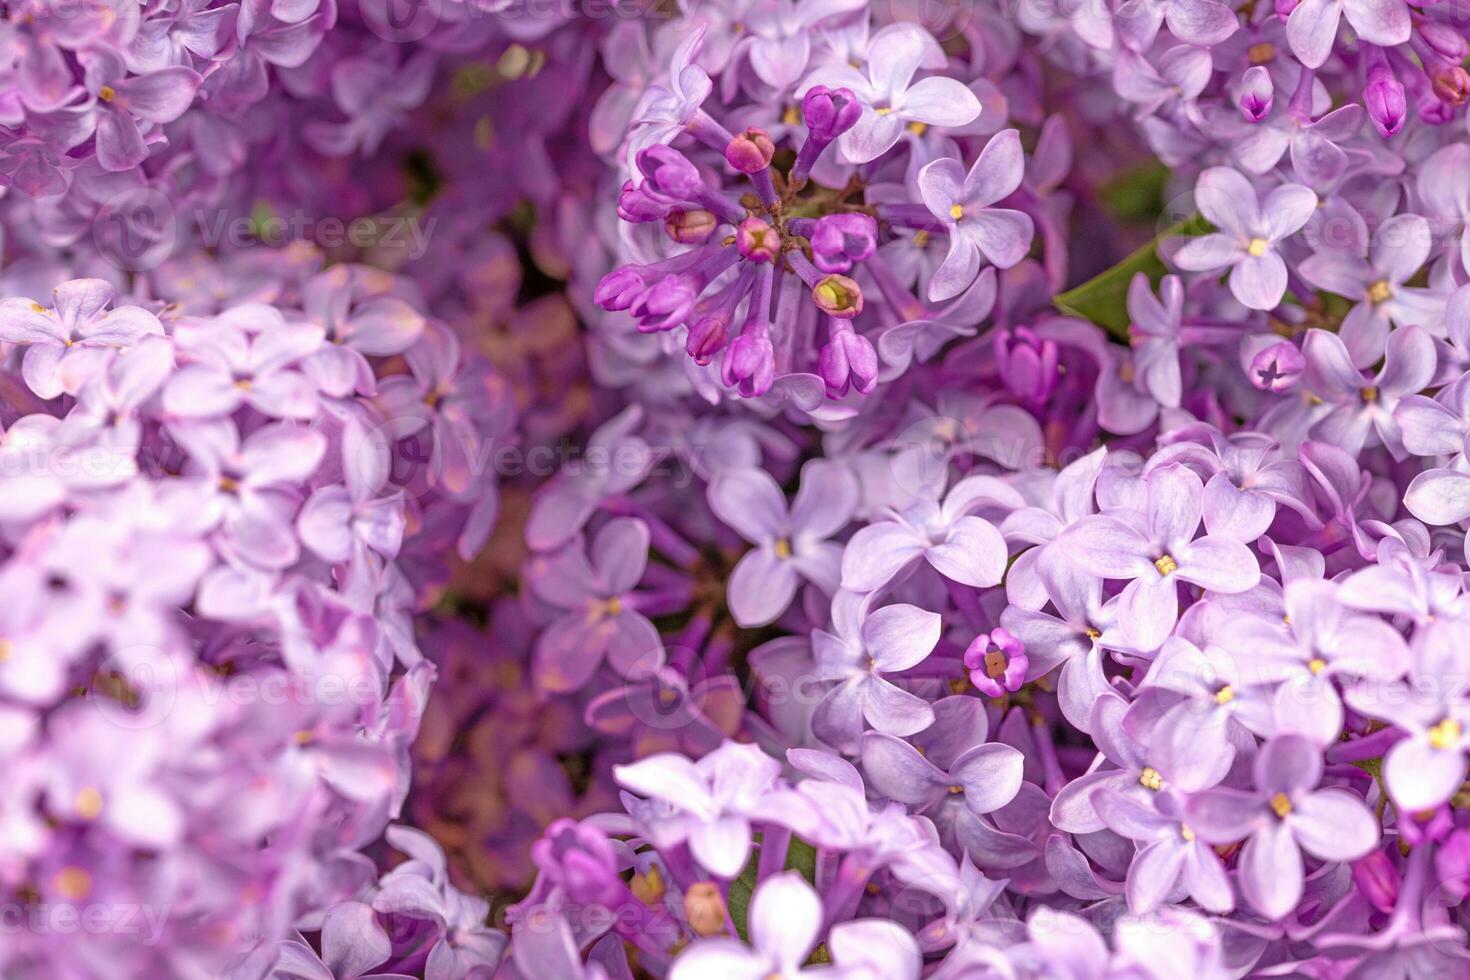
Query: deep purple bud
{"points": [[1384, 99], [1278, 368], [1445, 40], [829, 112], [1285, 7], [580, 860], [691, 227], [1256, 94], [1451, 85], [750, 364], [997, 662], [1027, 364], [1378, 880], [635, 205], [666, 303], [838, 296], [750, 151], [839, 240], [847, 360], [1432, 110], [669, 173], [757, 240], [707, 337], [619, 289], [1452, 866]]}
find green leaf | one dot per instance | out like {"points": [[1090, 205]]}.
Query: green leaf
{"points": [[1103, 299], [800, 856]]}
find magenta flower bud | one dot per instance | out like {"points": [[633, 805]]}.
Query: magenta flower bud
{"points": [[1278, 368], [1452, 866], [1384, 99], [666, 303], [750, 151], [1432, 110], [1285, 7], [691, 227], [750, 364], [997, 662], [1451, 85], [829, 112], [619, 289], [581, 860], [635, 205], [848, 360], [839, 240], [707, 337], [757, 240], [1445, 40], [669, 173], [1378, 880], [1027, 364], [838, 296], [1256, 94]]}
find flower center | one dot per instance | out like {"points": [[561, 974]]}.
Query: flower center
{"points": [[1257, 247], [89, 803], [783, 548], [107, 93], [1445, 734], [995, 664], [1379, 291], [956, 789], [1091, 633], [1185, 832], [1166, 564], [1369, 394], [1281, 805], [918, 128], [956, 211], [1151, 779], [1225, 695], [1316, 665], [1261, 53]]}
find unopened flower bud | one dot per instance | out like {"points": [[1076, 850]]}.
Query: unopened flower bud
{"points": [[838, 296], [691, 227], [668, 172], [707, 337], [1384, 99], [1451, 85], [1452, 866], [1378, 880], [848, 360], [1256, 94], [1028, 365], [839, 240], [829, 112], [665, 304], [750, 151], [1277, 368], [1445, 40], [757, 240], [704, 909], [750, 364], [1285, 7], [619, 289]]}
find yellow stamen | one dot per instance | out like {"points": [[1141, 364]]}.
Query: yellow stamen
{"points": [[614, 606], [1445, 735], [1151, 779], [1225, 695], [1185, 832], [1261, 53], [791, 117], [1316, 665], [1369, 394], [89, 803], [107, 93], [1257, 247], [883, 111], [783, 548], [1092, 634], [37, 308], [956, 789], [956, 211], [1166, 564], [1379, 291], [73, 883], [921, 238], [1281, 805], [918, 128]]}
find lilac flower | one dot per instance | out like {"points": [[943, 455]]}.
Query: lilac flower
{"points": [[593, 587], [963, 202], [1155, 550], [1284, 815], [890, 97], [1198, 22], [1360, 406], [1169, 852], [62, 343], [960, 546], [790, 545], [1312, 26], [862, 647], [1248, 234], [247, 355], [712, 801]]}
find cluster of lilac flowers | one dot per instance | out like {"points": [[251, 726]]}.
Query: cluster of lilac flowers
{"points": [[734, 488]]}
